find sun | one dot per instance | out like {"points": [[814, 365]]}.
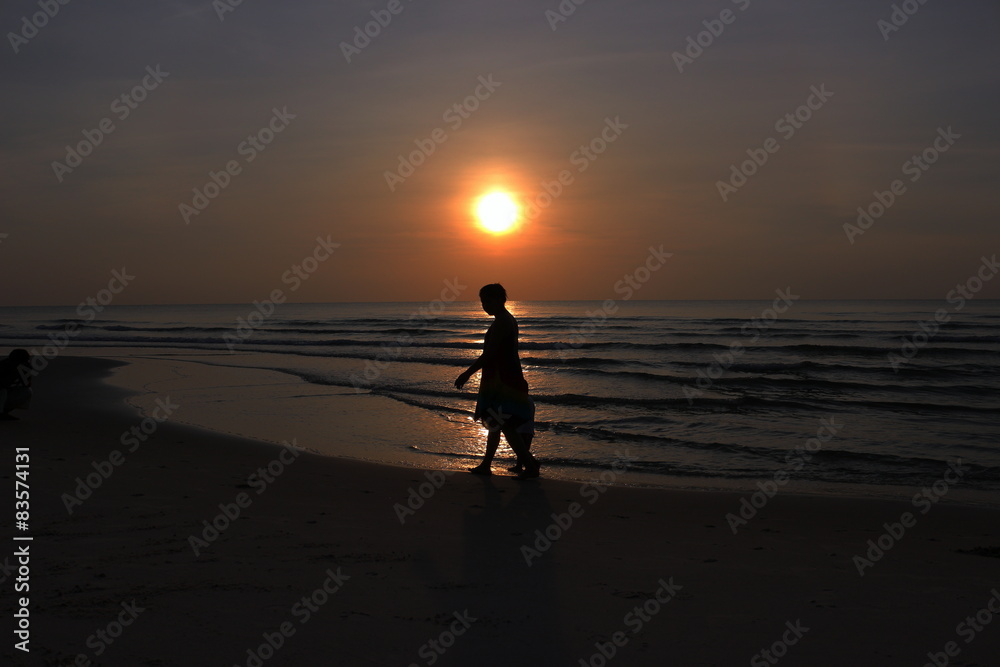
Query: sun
{"points": [[497, 212]]}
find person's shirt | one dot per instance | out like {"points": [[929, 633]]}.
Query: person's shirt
{"points": [[502, 361]]}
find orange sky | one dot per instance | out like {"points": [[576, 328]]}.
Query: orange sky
{"points": [[530, 101]]}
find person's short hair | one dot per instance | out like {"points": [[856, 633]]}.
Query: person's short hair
{"points": [[19, 356], [493, 291]]}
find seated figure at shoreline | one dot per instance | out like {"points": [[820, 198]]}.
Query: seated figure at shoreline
{"points": [[15, 383]]}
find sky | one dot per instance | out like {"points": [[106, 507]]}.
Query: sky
{"points": [[648, 129]]}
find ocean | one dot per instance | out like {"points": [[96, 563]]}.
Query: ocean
{"points": [[698, 393]]}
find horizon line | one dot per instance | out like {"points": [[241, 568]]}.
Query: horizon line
{"points": [[335, 303]]}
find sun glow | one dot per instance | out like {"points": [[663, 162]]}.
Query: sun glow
{"points": [[497, 212]]}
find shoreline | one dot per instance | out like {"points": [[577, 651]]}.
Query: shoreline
{"points": [[333, 523], [148, 370]]}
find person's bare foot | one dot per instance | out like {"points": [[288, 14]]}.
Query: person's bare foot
{"points": [[481, 469]]}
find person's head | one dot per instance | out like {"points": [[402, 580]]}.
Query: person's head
{"points": [[493, 298], [19, 356]]}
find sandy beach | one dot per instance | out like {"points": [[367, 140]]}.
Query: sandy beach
{"points": [[337, 562]]}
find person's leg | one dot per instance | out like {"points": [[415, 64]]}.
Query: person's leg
{"points": [[524, 457], [527, 437], [492, 443]]}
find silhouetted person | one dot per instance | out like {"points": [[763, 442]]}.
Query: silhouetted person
{"points": [[503, 404], [15, 383]]}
